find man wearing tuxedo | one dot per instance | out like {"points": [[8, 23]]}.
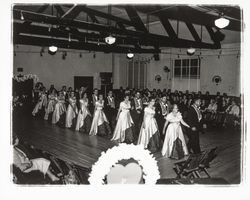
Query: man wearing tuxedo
{"points": [[94, 99], [80, 93], [161, 111], [194, 121], [110, 109], [137, 113]]}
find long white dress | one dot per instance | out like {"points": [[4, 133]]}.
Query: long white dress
{"points": [[71, 112], [124, 122], [41, 102], [82, 114], [99, 119], [173, 132], [59, 109], [50, 106], [149, 132]]}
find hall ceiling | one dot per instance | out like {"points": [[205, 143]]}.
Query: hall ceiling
{"points": [[84, 27]]}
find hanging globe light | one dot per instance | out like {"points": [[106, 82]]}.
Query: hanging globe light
{"points": [[130, 55], [190, 51], [110, 39], [221, 22]]}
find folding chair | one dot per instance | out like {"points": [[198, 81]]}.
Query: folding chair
{"points": [[82, 173], [190, 167], [205, 162], [195, 164]]}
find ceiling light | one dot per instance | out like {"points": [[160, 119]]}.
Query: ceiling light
{"points": [[53, 48], [130, 55], [221, 22], [190, 51], [22, 17], [110, 39]]}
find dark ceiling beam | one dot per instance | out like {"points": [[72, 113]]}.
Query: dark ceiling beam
{"points": [[39, 10], [212, 36], [71, 13], [93, 18], [104, 15], [19, 28], [154, 38], [167, 26], [230, 11], [194, 16], [96, 37], [42, 8], [193, 32], [135, 19], [39, 41], [121, 25]]}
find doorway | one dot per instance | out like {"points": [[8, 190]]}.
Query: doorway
{"points": [[85, 81]]}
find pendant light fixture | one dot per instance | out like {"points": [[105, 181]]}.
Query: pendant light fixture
{"points": [[221, 22], [110, 39]]}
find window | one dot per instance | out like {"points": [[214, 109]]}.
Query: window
{"points": [[137, 74], [187, 68]]}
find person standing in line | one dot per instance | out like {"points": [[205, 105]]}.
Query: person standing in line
{"points": [[110, 108], [100, 125], [137, 113], [174, 144], [83, 122], [161, 112], [123, 131], [149, 135], [94, 99], [194, 117], [71, 112]]}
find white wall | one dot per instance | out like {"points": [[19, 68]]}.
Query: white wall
{"points": [[54, 70], [227, 66]]}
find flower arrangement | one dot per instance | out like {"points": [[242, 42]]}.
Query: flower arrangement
{"points": [[23, 78], [111, 157]]}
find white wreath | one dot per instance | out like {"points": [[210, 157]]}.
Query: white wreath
{"points": [[26, 77], [125, 151]]}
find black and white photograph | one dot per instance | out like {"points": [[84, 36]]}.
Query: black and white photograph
{"points": [[135, 94]]}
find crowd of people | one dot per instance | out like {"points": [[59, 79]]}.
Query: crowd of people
{"points": [[155, 119]]}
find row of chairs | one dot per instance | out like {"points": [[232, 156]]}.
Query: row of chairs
{"points": [[196, 165]]}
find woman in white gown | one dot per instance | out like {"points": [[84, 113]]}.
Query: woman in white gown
{"points": [[51, 104], [100, 125], [71, 112], [149, 135], [174, 144], [60, 108], [123, 130], [42, 102], [84, 117]]}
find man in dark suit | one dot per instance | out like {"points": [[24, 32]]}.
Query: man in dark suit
{"points": [[193, 119], [110, 109], [93, 100], [137, 113], [161, 111]]}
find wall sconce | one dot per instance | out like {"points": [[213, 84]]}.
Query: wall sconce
{"points": [[217, 79], [158, 78]]}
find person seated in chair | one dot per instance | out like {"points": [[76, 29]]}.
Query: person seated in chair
{"points": [[232, 114], [26, 165]]}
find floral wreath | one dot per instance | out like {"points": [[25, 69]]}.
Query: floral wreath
{"points": [[125, 151], [23, 78]]}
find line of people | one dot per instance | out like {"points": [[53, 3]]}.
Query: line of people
{"points": [[140, 118]]}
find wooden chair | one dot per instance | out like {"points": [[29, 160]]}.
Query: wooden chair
{"points": [[195, 164], [205, 162], [189, 167]]}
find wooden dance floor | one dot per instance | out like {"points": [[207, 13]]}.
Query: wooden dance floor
{"points": [[84, 150]]}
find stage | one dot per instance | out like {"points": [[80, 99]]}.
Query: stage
{"points": [[84, 150]]}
